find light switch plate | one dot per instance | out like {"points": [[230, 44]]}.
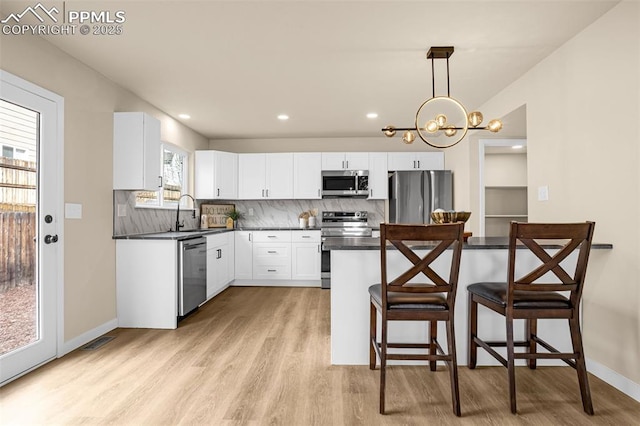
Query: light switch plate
{"points": [[543, 193], [72, 211]]}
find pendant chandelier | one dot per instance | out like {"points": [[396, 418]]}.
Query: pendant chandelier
{"points": [[442, 121]]}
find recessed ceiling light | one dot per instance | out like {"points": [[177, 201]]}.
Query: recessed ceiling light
{"points": [[372, 115], [283, 117], [517, 147], [184, 116]]}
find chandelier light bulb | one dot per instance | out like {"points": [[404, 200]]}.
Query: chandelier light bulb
{"points": [[431, 126], [494, 126], [475, 118], [390, 131], [450, 131], [441, 119], [408, 137]]}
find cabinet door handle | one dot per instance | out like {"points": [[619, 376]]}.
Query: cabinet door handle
{"points": [[318, 192], [347, 164], [272, 270], [160, 178], [318, 248], [370, 192], [414, 164], [306, 236], [267, 191], [418, 163], [272, 236], [249, 236], [272, 251], [262, 193], [218, 192], [219, 254]]}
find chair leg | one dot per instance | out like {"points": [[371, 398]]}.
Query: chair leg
{"points": [[383, 363], [473, 330], [511, 365], [453, 368], [373, 324], [433, 335], [531, 329], [581, 367]]}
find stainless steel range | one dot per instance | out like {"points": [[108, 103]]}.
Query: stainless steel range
{"points": [[340, 225]]}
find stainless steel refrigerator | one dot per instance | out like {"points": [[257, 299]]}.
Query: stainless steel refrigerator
{"points": [[414, 195]]}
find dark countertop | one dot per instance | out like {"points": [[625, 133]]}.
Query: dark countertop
{"points": [[185, 235], [473, 243]]}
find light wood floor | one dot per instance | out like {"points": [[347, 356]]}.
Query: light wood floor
{"points": [[261, 356]]}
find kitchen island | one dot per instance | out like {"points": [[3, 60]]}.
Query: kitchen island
{"points": [[355, 265]]}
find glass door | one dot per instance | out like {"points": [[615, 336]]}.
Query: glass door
{"points": [[28, 237]]}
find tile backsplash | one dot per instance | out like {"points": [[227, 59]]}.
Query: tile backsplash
{"points": [[266, 213]]}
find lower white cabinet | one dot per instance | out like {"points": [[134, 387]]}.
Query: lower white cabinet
{"points": [[305, 255], [220, 262], [243, 255], [278, 258], [146, 283]]}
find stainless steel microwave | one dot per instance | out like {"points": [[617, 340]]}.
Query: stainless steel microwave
{"points": [[345, 183]]}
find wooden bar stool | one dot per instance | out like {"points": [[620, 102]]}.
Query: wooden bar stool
{"points": [[433, 300], [531, 299]]}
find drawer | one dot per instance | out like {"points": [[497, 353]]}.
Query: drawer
{"points": [[272, 272], [271, 236], [271, 254], [305, 236]]}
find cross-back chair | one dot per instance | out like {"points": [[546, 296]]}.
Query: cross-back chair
{"points": [[534, 296], [432, 300]]}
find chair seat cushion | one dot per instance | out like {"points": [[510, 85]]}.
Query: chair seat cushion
{"points": [[399, 300], [497, 293]]}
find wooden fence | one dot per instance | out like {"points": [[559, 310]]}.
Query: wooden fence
{"points": [[17, 249]]}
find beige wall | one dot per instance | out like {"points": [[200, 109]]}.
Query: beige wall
{"points": [[583, 142], [90, 100]]}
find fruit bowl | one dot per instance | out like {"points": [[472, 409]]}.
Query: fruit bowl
{"points": [[449, 216]]}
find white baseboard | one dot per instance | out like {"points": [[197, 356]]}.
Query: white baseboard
{"points": [[276, 283], [615, 379], [88, 336]]}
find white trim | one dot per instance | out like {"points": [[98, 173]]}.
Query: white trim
{"points": [[615, 379], [86, 337], [59, 101]]}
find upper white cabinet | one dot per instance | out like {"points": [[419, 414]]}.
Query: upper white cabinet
{"points": [[136, 152], [415, 161], [345, 161], [216, 175], [378, 172], [263, 176], [307, 175]]}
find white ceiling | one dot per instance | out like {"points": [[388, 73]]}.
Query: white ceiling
{"points": [[234, 66]]}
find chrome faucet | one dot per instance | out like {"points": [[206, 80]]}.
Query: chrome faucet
{"points": [[178, 225]]}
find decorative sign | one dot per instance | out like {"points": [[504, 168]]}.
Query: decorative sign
{"points": [[216, 214]]}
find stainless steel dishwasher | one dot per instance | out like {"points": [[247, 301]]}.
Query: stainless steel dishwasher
{"points": [[192, 278]]}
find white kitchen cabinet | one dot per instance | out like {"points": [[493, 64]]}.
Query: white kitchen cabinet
{"points": [[272, 255], [378, 176], [415, 161], [265, 176], [305, 255], [216, 175], [345, 161], [136, 152], [307, 175], [146, 283], [243, 259], [220, 259]]}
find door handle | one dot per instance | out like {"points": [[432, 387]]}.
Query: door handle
{"points": [[160, 177], [48, 239]]}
